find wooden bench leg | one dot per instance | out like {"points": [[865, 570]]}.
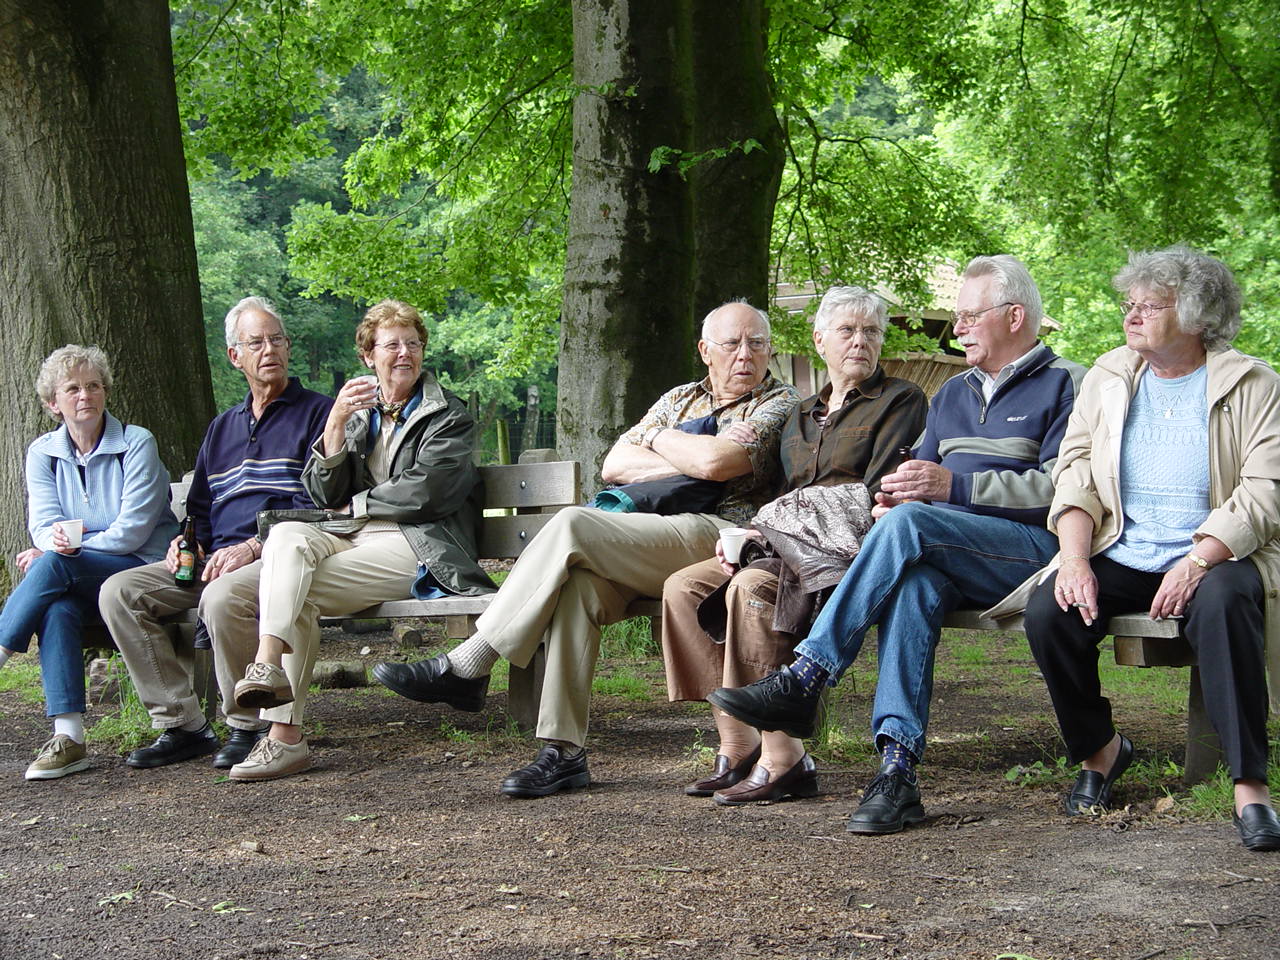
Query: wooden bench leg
{"points": [[1204, 750], [524, 692]]}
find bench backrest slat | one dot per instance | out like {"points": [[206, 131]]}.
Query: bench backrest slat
{"points": [[533, 485]]}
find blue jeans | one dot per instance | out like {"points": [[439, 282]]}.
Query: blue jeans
{"points": [[917, 563], [51, 601]]}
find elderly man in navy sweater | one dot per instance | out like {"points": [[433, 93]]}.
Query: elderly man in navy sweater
{"points": [[961, 524], [251, 459]]}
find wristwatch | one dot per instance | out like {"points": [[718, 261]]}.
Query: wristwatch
{"points": [[651, 435], [1198, 560]]}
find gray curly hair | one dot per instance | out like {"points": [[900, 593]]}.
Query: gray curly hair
{"points": [[58, 366], [857, 300], [1206, 296]]}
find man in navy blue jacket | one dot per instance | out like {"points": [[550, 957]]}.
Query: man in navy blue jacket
{"points": [[960, 525], [251, 459]]}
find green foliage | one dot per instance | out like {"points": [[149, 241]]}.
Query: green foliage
{"points": [[629, 640]]}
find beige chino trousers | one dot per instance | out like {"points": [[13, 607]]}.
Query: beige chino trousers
{"points": [[308, 574], [160, 659], [578, 574]]}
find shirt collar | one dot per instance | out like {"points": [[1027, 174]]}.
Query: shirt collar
{"points": [[1009, 369], [292, 390]]}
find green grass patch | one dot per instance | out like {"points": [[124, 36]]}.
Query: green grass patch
{"points": [[129, 725], [624, 684], [23, 679], [629, 640]]}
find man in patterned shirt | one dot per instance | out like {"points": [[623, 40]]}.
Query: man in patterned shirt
{"points": [[584, 567]]}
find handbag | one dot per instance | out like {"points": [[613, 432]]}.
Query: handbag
{"points": [[329, 521], [670, 495]]}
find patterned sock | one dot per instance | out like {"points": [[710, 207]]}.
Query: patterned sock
{"points": [[72, 724], [902, 758], [5, 654], [472, 658], [811, 676]]}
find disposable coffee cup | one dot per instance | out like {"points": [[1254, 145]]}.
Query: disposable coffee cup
{"points": [[73, 530], [731, 540]]}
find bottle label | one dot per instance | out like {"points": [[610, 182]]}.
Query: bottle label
{"points": [[186, 566]]}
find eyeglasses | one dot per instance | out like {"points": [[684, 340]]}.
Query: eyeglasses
{"points": [[257, 343], [1145, 310], [969, 317], [755, 344], [395, 346], [847, 332]]}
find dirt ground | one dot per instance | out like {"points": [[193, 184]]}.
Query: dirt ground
{"points": [[397, 844]]}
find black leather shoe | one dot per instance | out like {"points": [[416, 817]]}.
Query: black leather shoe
{"points": [[775, 702], [174, 746], [890, 802], [431, 681], [237, 747], [800, 781], [723, 775], [550, 773], [1091, 793], [1259, 827]]}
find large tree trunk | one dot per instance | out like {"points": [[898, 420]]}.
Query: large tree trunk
{"points": [[649, 253], [95, 224], [627, 323]]}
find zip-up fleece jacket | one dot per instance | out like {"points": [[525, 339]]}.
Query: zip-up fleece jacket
{"points": [[1001, 454]]}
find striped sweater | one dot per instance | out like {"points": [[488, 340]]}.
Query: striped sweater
{"points": [[1001, 454]]}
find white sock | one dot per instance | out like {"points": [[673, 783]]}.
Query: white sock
{"points": [[5, 654], [72, 724], [472, 658]]}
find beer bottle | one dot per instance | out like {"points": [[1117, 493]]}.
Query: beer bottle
{"points": [[188, 549], [904, 454]]}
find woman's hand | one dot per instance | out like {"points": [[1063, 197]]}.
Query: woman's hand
{"points": [[26, 558], [1176, 589], [727, 568], [60, 542], [358, 394], [1077, 587]]}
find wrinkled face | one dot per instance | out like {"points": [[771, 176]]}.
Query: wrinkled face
{"points": [[1155, 332], [80, 399], [736, 349], [397, 360], [261, 352], [984, 329], [850, 344]]}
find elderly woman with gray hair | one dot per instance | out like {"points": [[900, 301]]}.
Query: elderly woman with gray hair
{"points": [[1166, 498], [849, 433], [97, 503]]}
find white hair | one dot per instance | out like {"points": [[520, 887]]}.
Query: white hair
{"points": [[1013, 283], [261, 304], [764, 317], [856, 300]]}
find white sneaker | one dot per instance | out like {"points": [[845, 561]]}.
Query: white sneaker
{"points": [[58, 757], [264, 686], [272, 759]]}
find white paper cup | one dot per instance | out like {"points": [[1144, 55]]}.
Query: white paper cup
{"points": [[731, 540], [74, 532]]}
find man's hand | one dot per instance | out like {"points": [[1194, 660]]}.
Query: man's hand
{"points": [[227, 559], [739, 432], [26, 558], [918, 480]]}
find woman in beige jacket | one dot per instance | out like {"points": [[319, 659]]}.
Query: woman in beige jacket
{"points": [[1166, 496]]}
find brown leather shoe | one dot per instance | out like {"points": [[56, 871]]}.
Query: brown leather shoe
{"points": [[800, 781], [723, 775]]}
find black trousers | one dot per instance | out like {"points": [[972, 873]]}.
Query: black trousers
{"points": [[1223, 624]]}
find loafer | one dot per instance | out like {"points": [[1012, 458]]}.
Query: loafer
{"points": [[890, 802], [775, 702], [431, 681], [238, 746], [723, 775], [1091, 793], [800, 781], [272, 759], [264, 686], [550, 773], [173, 746], [1259, 827]]}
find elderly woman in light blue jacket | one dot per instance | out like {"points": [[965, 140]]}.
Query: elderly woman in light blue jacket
{"points": [[97, 503]]}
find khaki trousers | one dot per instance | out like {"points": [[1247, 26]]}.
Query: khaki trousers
{"points": [[578, 574], [160, 659], [696, 664], [308, 574]]}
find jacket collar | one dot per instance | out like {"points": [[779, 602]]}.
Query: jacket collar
{"points": [[111, 443], [1226, 364]]}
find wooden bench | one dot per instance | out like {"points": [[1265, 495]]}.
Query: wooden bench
{"points": [[1139, 642]]}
